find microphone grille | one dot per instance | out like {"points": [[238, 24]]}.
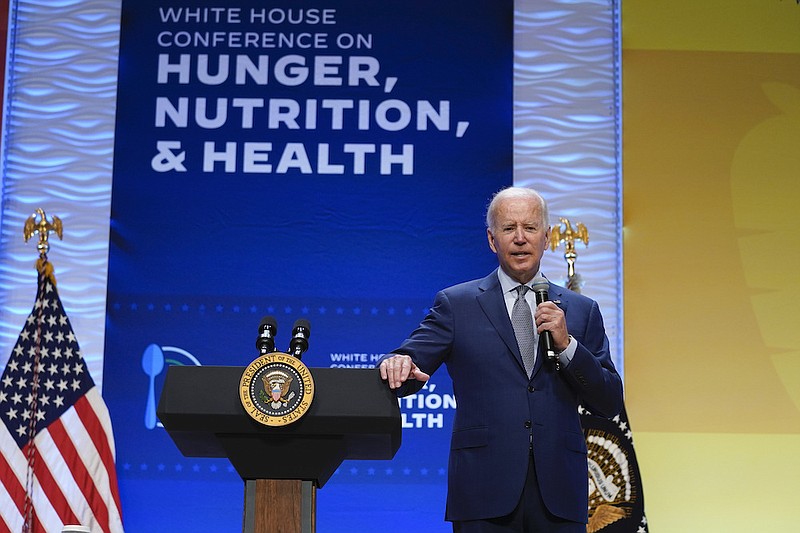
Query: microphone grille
{"points": [[540, 285], [303, 323]]}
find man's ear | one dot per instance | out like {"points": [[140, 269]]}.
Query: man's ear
{"points": [[547, 237], [490, 238]]}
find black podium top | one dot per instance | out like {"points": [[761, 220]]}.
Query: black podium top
{"points": [[354, 415]]}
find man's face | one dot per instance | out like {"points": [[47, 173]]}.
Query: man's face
{"points": [[518, 237]]}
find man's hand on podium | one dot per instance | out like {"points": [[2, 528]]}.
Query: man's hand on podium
{"points": [[397, 369]]}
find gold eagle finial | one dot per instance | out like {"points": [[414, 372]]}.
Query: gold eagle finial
{"points": [[43, 227], [569, 236]]}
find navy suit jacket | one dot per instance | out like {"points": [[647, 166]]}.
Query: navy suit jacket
{"points": [[499, 406]]}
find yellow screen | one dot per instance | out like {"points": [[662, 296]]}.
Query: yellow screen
{"points": [[711, 173]]}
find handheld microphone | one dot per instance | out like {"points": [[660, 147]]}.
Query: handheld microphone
{"points": [[540, 288], [300, 334], [265, 342]]}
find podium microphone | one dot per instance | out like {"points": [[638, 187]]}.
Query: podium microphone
{"points": [[300, 333], [540, 288], [265, 342]]}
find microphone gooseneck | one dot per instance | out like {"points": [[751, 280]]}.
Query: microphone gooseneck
{"points": [[265, 342], [300, 334]]}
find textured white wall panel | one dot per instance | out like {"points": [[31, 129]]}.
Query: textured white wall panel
{"points": [[58, 132], [566, 136]]}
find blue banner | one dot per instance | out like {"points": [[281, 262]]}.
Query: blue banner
{"points": [[326, 160]]}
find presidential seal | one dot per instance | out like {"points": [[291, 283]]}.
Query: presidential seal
{"points": [[276, 389], [616, 500]]}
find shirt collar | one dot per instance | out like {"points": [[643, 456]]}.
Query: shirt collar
{"points": [[507, 283]]}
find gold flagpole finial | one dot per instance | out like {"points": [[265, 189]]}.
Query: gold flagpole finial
{"points": [[569, 236], [43, 227]]}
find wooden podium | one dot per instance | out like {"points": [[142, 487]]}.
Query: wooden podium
{"points": [[354, 415]]}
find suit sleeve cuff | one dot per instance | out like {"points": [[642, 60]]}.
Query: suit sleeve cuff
{"points": [[565, 357]]}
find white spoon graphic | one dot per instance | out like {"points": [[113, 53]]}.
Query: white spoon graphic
{"points": [[153, 364]]}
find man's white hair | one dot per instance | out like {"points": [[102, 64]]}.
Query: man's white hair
{"points": [[515, 192]]}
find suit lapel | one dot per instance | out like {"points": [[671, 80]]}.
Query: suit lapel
{"points": [[493, 304]]}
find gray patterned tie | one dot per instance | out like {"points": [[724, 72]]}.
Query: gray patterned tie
{"points": [[522, 320]]}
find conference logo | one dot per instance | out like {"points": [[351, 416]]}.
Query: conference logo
{"points": [[155, 359], [276, 389]]}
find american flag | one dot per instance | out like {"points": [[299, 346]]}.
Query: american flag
{"points": [[56, 444]]}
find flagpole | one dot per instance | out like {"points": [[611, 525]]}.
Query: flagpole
{"points": [[37, 223], [616, 499]]}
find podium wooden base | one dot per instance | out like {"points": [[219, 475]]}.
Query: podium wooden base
{"points": [[280, 506]]}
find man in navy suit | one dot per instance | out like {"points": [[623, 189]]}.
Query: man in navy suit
{"points": [[517, 454]]}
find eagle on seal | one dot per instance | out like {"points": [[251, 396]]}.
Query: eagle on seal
{"points": [[277, 385]]}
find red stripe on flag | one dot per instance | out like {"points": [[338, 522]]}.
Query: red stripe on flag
{"points": [[37, 527], [79, 473], [12, 484], [94, 427], [17, 493], [52, 489]]}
